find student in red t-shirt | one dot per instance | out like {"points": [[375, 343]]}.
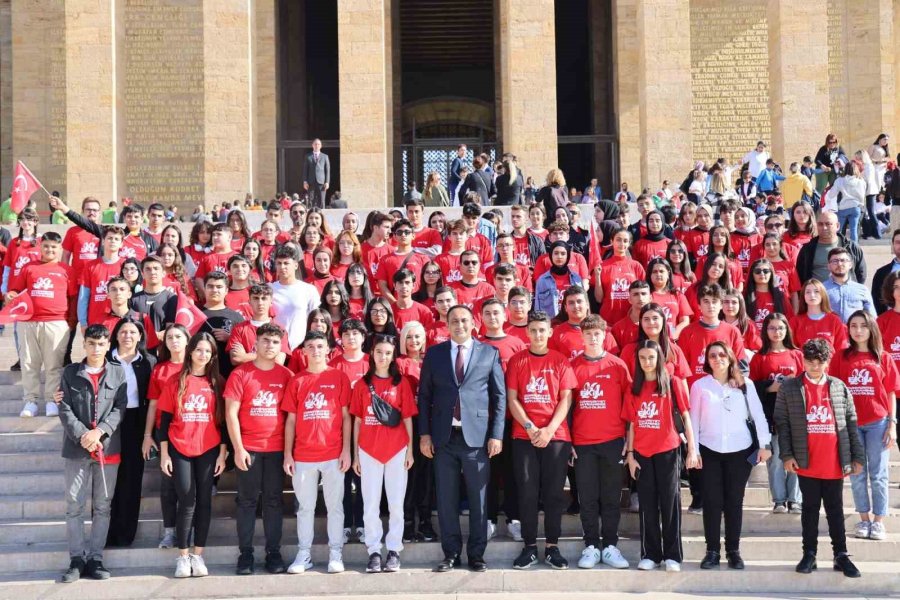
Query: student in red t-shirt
{"points": [[320, 274], [438, 331], [614, 275], [762, 295], [404, 257], [539, 394], [471, 287], [383, 453], [870, 374], [92, 296], [653, 327], [815, 319], [318, 320], [715, 270], [359, 293], [598, 438], [700, 334], [566, 338], [43, 338], [653, 244], [625, 330], [217, 260], [734, 312], [506, 253], [653, 456], [777, 360], [170, 356], [317, 445], [253, 413], [241, 346], [550, 287], [376, 247], [449, 259], [192, 450], [815, 419], [430, 280], [425, 240], [405, 308], [663, 292], [519, 306], [336, 303]]}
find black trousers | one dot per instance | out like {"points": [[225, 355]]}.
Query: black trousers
{"points": [[817, 492], [599, 471], [193, 478], [450, 460], [725, 477], [502, 478], [541, 476], [126, 504], [265, 476], [419, 486], [660, 497], [316, 195]]}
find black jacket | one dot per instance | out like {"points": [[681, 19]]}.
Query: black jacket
{"points": [[509, 192], [142, 370], [877, 282], [481, 182], [536, 247], [892, 186], [76, 410], [97, 230], [808, 254], [552, 197]]}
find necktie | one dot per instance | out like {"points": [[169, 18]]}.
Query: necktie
{"points": [[460, 374]]}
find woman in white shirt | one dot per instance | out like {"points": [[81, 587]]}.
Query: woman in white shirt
{"points": [[756, 159], [873, 186], [720, 405], [852, 190]]}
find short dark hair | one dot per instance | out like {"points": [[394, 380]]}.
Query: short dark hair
{"points": [[156, 206], [112, 230], [270, 329], [132, 208], [505, 270], [52, 236], [314, 335], [461, 307], [403, 274], [839, 250], [401, 222], [216, 275], [817, 349], [239, 258], [519, 291], [470, 209], [713, 290], [490, 302], [221, 227], [260, 289], [593, 322], [413, 201], [151, 258], [96, 332], [444, 289], [539, 316], [639, 284], [352, 325], [118, 279], [286, 252]]}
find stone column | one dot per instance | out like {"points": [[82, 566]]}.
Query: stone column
{"points": [[265, 158], [626, 57], [6, 151], [798, 78], [664, 89], [527, 80], [366, 101], [91, 132]]}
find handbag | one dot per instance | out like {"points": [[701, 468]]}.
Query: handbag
{"points": [[386, 414], [751, 427]]}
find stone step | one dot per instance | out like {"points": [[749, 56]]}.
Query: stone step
{"points": [[419, 581], [31, 462], [43, 441], [500, 552]]}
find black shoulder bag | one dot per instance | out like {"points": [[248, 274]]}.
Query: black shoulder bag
{"points": [[753, 456], [386, 414]]}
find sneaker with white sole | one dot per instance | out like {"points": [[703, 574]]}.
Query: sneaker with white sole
{"points": [[515, 530], [780, 508], [863, 529], [335, 561], [612, 557], [491, 530], [360, 535], [590, 558], [183, 566], [168, 538], [29, 410], [51, 409], [647, 565], [794, 508], [198, 566], [877, 531], [301, 564], [346, 535], [673, 566]]}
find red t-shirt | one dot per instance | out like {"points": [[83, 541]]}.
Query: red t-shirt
{"points": [[538, 382], [889, 324], [133, 246], [83, 246], [567, 340], [625, 331], [697, 243], [416, 312], [95, 277], [767, 366], [479, 244], [468, 295], [577, 264], [829, 328], [193, 429], [676, 364], [357, 308], [522, 251], [318, 400], [259, 394], [17, 258], [742, 245], [786, 277], [391, 264], [379, 441], [353, 370], [523, 276], [239, 300], [650, 413], [244, 333], [645, 250], [427, 238], [450, 267], [508, 346], [160, 376], [50, 286], [298, 362], [735, 273], [521, 332], [697, 336], [869, 381], [597, 413], [680, 283], [371, 259], [674, 305], [764, 306], [821, 433], [436, 333], [618, 272], [213, 262]]}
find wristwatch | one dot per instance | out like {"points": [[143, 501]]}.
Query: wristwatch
{"points": [[528, 426], [894, 420]]}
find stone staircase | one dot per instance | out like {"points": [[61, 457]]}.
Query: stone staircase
{"points": [[33, 549]]}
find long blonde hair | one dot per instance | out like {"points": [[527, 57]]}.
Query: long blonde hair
{"points": [[510, 166], [556, 177]]}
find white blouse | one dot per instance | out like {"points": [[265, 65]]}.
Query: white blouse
{"points": [[719, 415]]}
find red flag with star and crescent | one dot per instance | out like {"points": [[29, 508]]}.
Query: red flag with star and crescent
{"points": [[188, 314], [19, 308], [24, 185], [594, 253]]}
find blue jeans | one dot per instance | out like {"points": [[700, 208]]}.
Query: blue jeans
{"points": [[784, 486], [850, 217], [875, 470]]}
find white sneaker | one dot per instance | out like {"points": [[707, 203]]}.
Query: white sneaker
{"points": [[613, 558], [198, 567], [168, 538], [647, 565], [877, 531], [346, 535], [673, 566], [515, 530], [863, 530], [51, 409], [30, 410], [335, 561], [182, 566], [634, 505], [590, 556], [360, 535], [491, 530], [301, 564]]}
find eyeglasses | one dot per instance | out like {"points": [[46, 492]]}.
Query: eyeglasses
{"points": [[762, 272], [403, 232], [470, 263], [837, 261], [775, 226], [432, 272], [714, 355], [378, 311], [518, 302], [676, 251]]}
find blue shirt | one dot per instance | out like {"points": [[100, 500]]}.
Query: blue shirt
{"points": [[767, 179], [848, 298]]}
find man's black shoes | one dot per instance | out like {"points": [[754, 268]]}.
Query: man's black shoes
{"points": [[448, 564], [711, 560], [244, 564], [735, 561], [807, 564], [95, 570], [74, 572], [842, 563], [477, 564]]}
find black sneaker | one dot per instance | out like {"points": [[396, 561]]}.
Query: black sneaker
{"points": [[426, 532], [244, 564], [16, 367], [374, 565], [409, 533], [95, 570], [527, 558], [392, 564], [554, 558], [74, 572], [274, 563], [842, 563]]}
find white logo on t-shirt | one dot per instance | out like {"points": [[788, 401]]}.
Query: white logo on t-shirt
{"points": [[648, 410], [859, 377], [537, 385], [43, 283]]}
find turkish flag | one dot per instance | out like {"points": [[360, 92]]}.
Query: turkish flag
{"points": [[24, 185], [19, 308], [188, 314], [594, 250]]}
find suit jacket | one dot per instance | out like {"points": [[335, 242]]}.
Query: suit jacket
{"points": [[455, 167], [877, 282], [482, 395], [481, 182], [317, 172]]}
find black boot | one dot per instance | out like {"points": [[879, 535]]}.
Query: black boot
{"points": [[807, 564], [734, 560], [711, 560], [842, 563]]}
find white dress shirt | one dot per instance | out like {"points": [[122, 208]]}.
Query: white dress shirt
{"points": [[130, 379], [719, 415], [467, 356]]}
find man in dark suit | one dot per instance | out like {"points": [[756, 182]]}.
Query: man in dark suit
{"points": [[478, 181], [316, 175], [462, 405], [455, 167]]}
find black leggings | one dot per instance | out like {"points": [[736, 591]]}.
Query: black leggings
{"points": [[193, 478], [541, 474]]}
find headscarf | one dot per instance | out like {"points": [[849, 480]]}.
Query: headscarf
{"points": [[563, 270]]}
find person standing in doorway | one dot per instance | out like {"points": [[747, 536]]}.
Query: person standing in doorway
{"points": [[317, 175]]}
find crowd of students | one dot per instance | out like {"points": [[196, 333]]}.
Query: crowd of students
{"points": [[631, 351]]}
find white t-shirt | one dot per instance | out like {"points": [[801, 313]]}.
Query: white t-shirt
{"points": [[292, 304], [756, 162]]}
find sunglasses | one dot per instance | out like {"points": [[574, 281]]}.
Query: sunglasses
{"points": [[470, 263], [403, 232], [762, 272]]}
